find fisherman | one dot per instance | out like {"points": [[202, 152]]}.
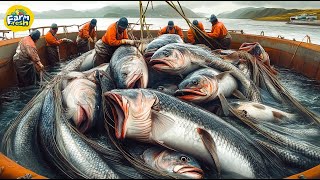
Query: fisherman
{"points": [[171, 29], [52, 46], [26, 60], [86, 35], [115, 36], [192, 36], [219, 33]]}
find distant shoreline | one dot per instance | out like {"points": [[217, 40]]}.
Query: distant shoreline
{"points": [[310, 23]]}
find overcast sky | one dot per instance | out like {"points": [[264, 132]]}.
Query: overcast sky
{"points": [[208, 7]]}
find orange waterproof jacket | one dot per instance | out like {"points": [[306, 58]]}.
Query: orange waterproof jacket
{"points": [[84, 32], [174, 30], [112, 37], [218, 31], [191, 35], [52, 40]]}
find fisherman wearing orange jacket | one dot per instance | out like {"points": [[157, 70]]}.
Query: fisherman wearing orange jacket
{"points": [[171, 29], [219, 33], [115, 36], [87, 34], [27, 61], [52, 46], [192, 38]]}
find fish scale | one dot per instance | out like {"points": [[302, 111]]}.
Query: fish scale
{"points": [[299, 146], [292, 158], [81, 155], [22, 146]]}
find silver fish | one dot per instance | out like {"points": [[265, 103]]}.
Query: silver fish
{"points": [[160, 41], [183, 59], [128, 68], [151, 116], [81, 97], [173, 162], [205, 85]]}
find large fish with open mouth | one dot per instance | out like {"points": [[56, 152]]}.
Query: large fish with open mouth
{"points": [[152, 116], [79, 157], [205, 85], [160, 41], [128, 68], [82, 99], [182, 59]]}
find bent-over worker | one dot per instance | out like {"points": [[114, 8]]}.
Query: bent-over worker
{"points": [[115, 36], [220, 33], [52, 46], [171, 29], [192, 35], [87, 34], [27, 61]]}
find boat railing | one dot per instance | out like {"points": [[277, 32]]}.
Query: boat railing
{"points": [[65, 30], [130, 28], [237, 31], [4, 32]]}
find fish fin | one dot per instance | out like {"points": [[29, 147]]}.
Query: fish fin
{"points": [[223, 74], [224, 104], [259, 106], [277, 115], [161, 124], [211, 147], [239, 95]]}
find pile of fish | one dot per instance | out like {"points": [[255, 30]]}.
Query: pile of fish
{"points": [[174, 110]]}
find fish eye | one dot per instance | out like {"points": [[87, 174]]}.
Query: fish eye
{"points": [[244, 112], [160, 88], [195, 82], [183, 159], [124, 74], [188, 159]]}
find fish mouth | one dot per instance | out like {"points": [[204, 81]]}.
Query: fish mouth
{"points": [[136, 81], [147, 56], [189, 171], [120, 112], [189, 94], [83, 123], [160, 64]]}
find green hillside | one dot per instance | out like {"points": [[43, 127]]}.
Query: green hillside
{"points": [[157, 12], [237, 14], [286, 16], [114, 11], [254, 13]]}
